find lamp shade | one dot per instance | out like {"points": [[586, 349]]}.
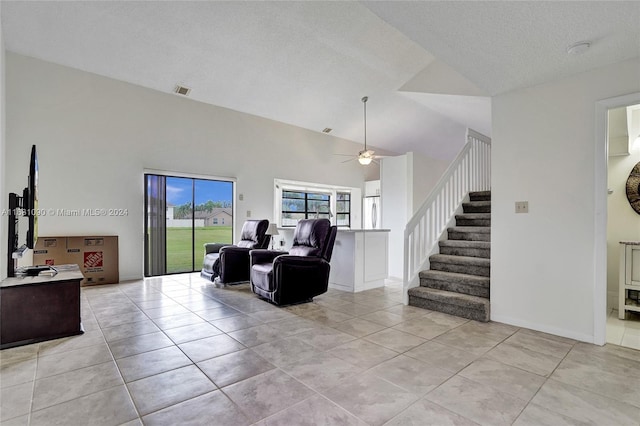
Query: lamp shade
{"points": [[272, 229]]}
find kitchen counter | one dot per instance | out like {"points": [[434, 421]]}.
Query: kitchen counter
{"points": [[360, 259]]}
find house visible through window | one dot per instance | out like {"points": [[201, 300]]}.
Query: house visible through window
{"points": [[298, 205]]}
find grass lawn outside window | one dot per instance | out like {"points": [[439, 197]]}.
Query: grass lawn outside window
{"points": [[179, 246]]}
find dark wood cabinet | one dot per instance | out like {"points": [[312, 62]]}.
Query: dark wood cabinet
{"points": [[34, 309]]}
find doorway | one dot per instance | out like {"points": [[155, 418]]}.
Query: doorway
{"points": [[623, 224], [602, 309], [182, 214]]}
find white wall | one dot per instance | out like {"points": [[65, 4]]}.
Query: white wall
{"points": [[542, 263], [394, 202], [405, 182], [425, 172], [623, 223], [95, 136]]}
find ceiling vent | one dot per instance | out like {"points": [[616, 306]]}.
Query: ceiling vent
{"points": [[182, 90], [326, 130]]}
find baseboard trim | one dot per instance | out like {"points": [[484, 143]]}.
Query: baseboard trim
{"points": [[545, 329]]}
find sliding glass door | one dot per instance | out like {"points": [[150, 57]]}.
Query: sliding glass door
{"points": [[182, 214]]}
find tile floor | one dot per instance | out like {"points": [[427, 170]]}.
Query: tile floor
{"points": [[624, 332], [176, 350]]}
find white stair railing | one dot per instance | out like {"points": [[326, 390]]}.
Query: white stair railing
{"points": [[470, 171]]}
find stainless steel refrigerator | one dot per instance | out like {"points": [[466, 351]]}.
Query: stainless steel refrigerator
{"points": [[372, 217]]}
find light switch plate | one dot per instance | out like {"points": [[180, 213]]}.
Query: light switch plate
{"points": [[522, 207], [248, 213], [240, 197]]}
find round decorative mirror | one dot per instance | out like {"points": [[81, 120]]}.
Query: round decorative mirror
{"points": [[633, 188]]}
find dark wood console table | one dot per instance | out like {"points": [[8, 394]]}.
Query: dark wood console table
{"points": [[34, 309]]}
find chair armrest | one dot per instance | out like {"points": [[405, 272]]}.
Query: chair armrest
{"points": [[214, 247], [298, 261], [234, 264], [264, 256], [235, 250], [233, 256]]}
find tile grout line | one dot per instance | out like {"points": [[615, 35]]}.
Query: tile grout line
{"points": [[546, 379]]}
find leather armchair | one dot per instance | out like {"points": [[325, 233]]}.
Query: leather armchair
{"points": [[300, 274], [230, 263]]}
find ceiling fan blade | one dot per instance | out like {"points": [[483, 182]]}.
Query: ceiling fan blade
{"points": [[346, 161], [345, 155]]}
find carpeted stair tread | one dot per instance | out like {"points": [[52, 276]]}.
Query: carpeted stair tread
{"points": [[462, 278], [461, 264], [474, 215], [473, 219], [472, 285], [469, 233], [465, 248], [480, 196], [465, 244], [462, 305], [471, 229], [477, 207], [460, 260]]}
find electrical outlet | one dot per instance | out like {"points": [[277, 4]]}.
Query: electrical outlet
{"points": [[522, 207], [248, 213]]}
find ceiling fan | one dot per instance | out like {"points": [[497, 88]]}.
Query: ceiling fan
{"points": [[366, 156]]}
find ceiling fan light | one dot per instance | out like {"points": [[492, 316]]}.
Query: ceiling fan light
{"points": [[364, 160]]}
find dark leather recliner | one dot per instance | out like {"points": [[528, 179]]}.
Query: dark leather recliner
{"points": [[300, 274], [231, 262]]}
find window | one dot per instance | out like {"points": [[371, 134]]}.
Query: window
{"points": [[295, 200], [298, 205], [343, 209], [215, 220]]}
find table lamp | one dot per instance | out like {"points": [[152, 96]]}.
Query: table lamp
{"points": [[272, 230]]}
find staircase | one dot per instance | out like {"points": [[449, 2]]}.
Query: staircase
{"points": [[458, 281]]}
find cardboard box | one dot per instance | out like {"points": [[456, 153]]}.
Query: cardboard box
{"points": [[97, 256], [48, 249]]}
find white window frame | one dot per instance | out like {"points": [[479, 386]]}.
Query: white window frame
{"points": [[291, 185]]}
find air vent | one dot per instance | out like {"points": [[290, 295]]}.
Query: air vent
{"points": [[182, 90], [326, 130]]}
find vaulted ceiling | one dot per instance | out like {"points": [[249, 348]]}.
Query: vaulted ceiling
{"points": [[429, 68]]}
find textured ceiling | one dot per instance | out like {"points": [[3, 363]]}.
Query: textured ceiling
{"points": [[427, 67], [506, 45]]}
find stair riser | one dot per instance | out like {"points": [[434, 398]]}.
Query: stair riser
{"points": [[472, 222], [469, 236], [472, 290], [471, 208], [461, 269], [464, 251], [473, 314]]}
